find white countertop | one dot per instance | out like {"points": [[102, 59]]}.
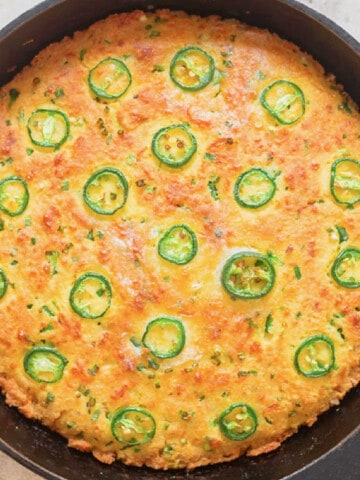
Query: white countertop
{"points": [[344, 12]]}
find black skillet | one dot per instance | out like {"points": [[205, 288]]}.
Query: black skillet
{"points": [[327, 451]]}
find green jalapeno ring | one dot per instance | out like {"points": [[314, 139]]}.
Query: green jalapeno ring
{"points": [[101, 290], [3, 283], [257, 199], [42, 131], [106, 203], [307, 348], [229, 421], [127, 428], [246, 281], [21, 199], [165, 153], [109, 79], [44, 364], [284, 103], [178, 245], [346, 183], [198, 77], [164, 330], [352, 255]]}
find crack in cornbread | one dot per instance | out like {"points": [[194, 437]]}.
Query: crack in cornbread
{"points": [[180, 250]]}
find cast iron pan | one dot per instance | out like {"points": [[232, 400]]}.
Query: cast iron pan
{"points": [[329, 450]]}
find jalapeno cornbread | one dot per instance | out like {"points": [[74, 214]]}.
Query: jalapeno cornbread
{"points": [[179, 240]]}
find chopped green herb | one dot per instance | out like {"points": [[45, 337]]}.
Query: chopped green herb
{"points": [[48, 311], [29, 151], [59, 92], [65, 185], [218, 76], [227, 63], [90, 236], [47, 328], [130, 159], [345, 106], [246, 373], [212, 184], [268, 323], [168, 450], [218, 233], [93, 370], [50, 398], [96, 415], [273, 258], [297, 272], [210, 156], [186, 415], [259, 75], [343, 236], [8, 161], [153, 364], [52, 257], [82, 54], [158, 68], [135, 342], [13, 93]]}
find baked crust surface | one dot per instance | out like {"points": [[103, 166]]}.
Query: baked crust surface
{"points": [[235, 350]]}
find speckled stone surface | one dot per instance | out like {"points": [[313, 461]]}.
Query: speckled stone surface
{"points": [[344, 12]]}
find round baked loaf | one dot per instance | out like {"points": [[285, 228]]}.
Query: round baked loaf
{"points": [[180, 250]]}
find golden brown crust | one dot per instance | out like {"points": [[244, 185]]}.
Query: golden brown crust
{"points": [[229, 355]]}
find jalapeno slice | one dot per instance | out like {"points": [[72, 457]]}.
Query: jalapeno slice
{"points": [[44, 364], [248, 274], [48, 128], [14, 195], [174, 145], [90, 296], [106, 191], [345, 181], [254, 188], [238, 422], [346, 268], [315, 357], [133, 426], [164, 337], [284, 100], [109, 79], [179, 245], [192, 68], [3, 283]]}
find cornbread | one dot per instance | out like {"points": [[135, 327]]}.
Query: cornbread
{"points": [[180, 250]]}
